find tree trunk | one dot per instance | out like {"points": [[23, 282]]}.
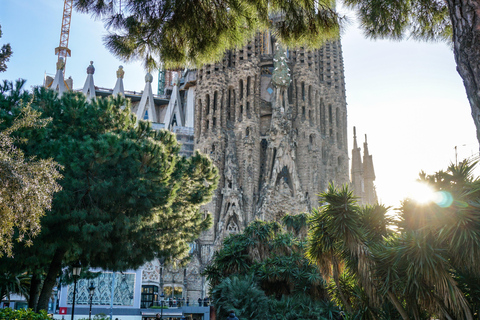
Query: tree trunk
{"points": [[50, 279], [465, 17], [34, 291], [398, 306]]}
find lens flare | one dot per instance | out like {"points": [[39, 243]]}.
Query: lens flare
{"points": [[443, 199]]}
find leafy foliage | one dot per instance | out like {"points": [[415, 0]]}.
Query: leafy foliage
{"points": [[28, 184], [11, 283], [242, 296], [420, 19], [269, 256], [200, 31], [427, 267], [22, 314]]}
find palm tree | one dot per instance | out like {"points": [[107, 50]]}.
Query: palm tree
{"points": [[338, 241], [242, 296], [11, 283], [335, 238]]}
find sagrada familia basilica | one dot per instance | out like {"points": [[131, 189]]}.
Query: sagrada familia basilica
{"points": [[274, 121]]}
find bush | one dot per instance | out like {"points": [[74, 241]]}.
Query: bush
{"points": [[242, 296], [23, 314]]}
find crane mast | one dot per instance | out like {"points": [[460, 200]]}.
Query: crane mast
{"points": [[62, 50]]}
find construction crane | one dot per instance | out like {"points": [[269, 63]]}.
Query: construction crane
{"points": [[62, 50]]}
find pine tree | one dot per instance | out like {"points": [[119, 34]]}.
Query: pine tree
{"points": [[5, 53], [453, 21], [199, 32], [127, 196]]}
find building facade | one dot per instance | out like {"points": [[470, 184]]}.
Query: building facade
{"points": [[274, 121]]}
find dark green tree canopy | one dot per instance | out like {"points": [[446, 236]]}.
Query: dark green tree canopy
{"points": [[127, 196], [198, 32]]}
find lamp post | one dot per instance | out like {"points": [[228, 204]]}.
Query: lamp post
{"points": [[162, 299], [76, 269], [91, 290]]}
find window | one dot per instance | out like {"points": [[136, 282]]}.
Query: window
{"points": [[330, 114], [240, 87], [207, 106], [149, 296], [337, 117]]}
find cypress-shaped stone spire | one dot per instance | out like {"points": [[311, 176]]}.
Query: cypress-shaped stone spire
{"points": [[59, 81], [146, 107], [119, 84], [89, 86]]}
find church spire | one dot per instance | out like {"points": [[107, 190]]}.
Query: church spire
{"points": [[119, 84], [59, 81], [357, 167], [89, 87], [146, 107], [368, 175]]}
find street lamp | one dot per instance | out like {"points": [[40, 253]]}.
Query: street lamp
{"points": [[76, 269], [91, 289], [162, 299]]}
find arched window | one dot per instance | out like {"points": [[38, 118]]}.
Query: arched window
{"points": [[240, 88], [310, 95], [232, 227], [330, 115], [215, 101], [303, 91], [337, 117], [200, 116], [290, 93], [248, 85], [207, 105]]}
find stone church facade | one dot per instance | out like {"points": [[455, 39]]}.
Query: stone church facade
{"points": [[275, 124]]}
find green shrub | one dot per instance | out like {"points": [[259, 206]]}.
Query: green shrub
{"points": [[23, 314]]}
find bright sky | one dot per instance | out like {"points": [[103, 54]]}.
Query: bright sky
{"points": [[406, 96]]}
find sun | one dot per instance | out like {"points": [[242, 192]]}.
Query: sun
{"points": [[421, 193]]}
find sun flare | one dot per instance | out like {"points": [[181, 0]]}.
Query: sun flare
{"points": [[421, 193]]}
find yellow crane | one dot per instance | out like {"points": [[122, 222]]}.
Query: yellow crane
{"points": [[62, 50]]}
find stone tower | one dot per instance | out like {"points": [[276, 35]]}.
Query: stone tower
{"points": [[363, 173], [274, 122]]}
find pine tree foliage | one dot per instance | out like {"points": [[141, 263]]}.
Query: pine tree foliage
{"points": [[28, 183], [199, 32], [5, 53], [127, 196], [419, 19]]}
